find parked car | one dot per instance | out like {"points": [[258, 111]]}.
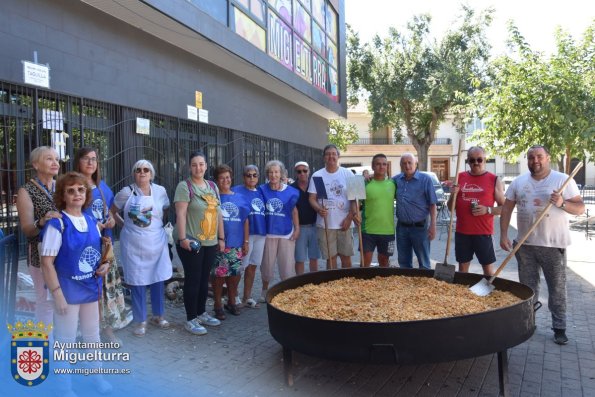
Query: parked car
{"points": [[360, 170], [437, 187]]}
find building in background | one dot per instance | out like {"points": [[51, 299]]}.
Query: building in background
{"points": [[442, 155], [244, 80]]}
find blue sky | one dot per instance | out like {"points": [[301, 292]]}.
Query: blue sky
{"points": [[536, 19]]}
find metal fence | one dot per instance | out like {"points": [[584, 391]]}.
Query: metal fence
{"points": [[111, 128]]}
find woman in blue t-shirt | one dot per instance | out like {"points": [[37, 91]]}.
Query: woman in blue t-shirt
{"points": [[234, 210], [283, 225]]}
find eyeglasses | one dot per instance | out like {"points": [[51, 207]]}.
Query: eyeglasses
{"points": [[73, 191], [88, 159], [251, 175], [472, 160], [143, 170], [301, 171]]}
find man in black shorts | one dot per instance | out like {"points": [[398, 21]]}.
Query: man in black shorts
{"points": [[477, 192], [378, 215]]}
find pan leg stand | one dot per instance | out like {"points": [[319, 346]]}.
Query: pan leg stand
{"points": [[287, 365], [503, 373]]}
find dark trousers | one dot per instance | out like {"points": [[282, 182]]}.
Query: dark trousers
{"points": [[197, 267]]}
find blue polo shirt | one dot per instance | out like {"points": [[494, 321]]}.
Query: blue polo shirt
{"points": [[414, 197]]}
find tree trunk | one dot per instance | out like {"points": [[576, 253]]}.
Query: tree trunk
{"points": [[567, 169], [422, 149]]}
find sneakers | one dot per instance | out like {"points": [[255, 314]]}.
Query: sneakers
{"points": [[238, 301], [560, 336], [206, 319], [194, 327]]}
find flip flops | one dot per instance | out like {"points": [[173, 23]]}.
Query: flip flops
{"points": [[159, 322]]}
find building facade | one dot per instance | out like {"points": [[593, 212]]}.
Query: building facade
{"points": [[442, 154], [246, 81]]}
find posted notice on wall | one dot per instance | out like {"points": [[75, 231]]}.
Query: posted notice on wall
{"points": [[143, 126], [36, 74], [192, 113], [203, 116]]}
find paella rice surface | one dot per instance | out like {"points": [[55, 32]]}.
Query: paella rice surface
{"points": [[387, 299]]}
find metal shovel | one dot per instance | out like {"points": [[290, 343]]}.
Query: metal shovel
{"points": [[485, 287], [444, 271]]}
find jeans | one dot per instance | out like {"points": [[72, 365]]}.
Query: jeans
{"points": [[413, 238]]}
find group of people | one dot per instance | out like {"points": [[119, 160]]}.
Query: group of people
{"points": [[223, 232]]}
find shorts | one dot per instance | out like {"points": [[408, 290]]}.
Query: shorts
{"points": [[384, 243], [228, 263], [306, 247], [479, 244], [340, 242], [254, 256]]}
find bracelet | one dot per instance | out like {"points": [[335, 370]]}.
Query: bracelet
{"points": [[221, 239], [55, 289], [183, 239], [37, 225], [246, 241]]}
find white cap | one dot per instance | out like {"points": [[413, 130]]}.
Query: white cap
{"points": [[301, 163]]}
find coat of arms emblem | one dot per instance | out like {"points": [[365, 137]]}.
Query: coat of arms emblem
{"points": [[29, 348]]}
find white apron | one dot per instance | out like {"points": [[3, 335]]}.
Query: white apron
{"points": [[143, 242]]}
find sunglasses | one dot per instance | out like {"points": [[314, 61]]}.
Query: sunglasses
{"points": [[143, 170], [251, 175], [478, 160], [301, 171], [73, 191]]}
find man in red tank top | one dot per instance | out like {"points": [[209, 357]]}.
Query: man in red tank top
{"points": [[477, 191]]}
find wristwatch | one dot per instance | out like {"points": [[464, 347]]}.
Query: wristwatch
{"points": [[489, 210], [563, 205]]}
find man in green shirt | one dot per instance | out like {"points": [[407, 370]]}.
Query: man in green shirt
{"points": [[378, 217]]}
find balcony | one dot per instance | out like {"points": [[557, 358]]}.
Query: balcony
{"points": [[392, 141]]}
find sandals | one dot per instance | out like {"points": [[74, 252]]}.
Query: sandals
{"points": [[251, 303], [159, 322], [219, 314], [140, 329], [233, 309]]}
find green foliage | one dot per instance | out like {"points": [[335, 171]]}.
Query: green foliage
{"points": [[412, 81], [342, 133], [531, 99]]}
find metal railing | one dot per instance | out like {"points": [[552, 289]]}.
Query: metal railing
{"points": [[393, 141], [112, 129], [9, 262]]}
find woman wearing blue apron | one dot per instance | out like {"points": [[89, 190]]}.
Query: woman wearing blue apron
{"points": [[70, 252]]}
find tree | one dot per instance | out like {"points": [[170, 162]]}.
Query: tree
{"points": [[531, 99], [414, 81], [342, 133]]}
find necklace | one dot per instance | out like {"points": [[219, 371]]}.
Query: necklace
{"points": [[49, 192]]}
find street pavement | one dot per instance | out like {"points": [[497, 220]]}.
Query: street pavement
{"points": [[240, 358]]}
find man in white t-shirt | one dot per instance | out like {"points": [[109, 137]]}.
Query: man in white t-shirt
{"points": [[545, 248], [339, 211]]}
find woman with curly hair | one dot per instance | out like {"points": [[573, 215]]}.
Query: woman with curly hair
{"points": [[228, 264]]}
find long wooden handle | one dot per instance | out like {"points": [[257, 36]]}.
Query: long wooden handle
{"points": [[359, 233], [537, 222], [453, 202], [328, 247]]}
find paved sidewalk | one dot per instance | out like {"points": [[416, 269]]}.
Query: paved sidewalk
{"points": [[240, 358]]}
